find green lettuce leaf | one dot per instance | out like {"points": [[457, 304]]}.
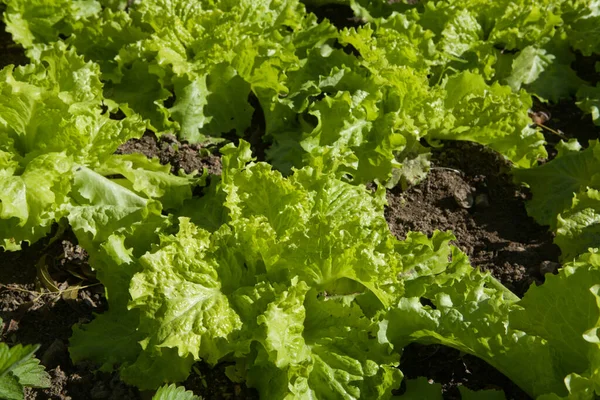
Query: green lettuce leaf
{"points": [[151, 179], [42, 21], [544, 74], [111, 339], [360, 112], [565, 312], [339, 360], [554, 184], [102, 206], [546, 351], [582, 25], [190, 312], [578, 228], [401, 41], [188, 109], [493, 116], [158, 52], [33, 200], [516, 25], [470, 312]]}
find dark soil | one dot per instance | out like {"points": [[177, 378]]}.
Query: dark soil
{"points": [[585, 67], [451, 369], [340, 15], [33, 314], [181, 156]]}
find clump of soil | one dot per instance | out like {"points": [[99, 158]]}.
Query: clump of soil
{"points": [[169, 150]]}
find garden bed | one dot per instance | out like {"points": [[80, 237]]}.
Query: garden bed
{"points": [[50, 289]]}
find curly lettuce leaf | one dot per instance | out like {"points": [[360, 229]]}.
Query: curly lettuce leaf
{"points": [[582, 25], [159, 48], [490, 115], [545, 72], [515, 25], [355, 118], [33, 200], [358, 112], [299, 208], [152, 179], [210, 78], [41, 21], [111, 339], [252, 289], [470, 312], [189, 311], [554, 184], [140, 92], [157, 366], [578, 228], [191, 97], [101, 206], [341, 360], [546, 351], [54, 105], [565, 312]]}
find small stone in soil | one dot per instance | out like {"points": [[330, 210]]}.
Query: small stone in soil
{"points": [[463, 197]]}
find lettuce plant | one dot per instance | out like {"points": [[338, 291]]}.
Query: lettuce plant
{"points": [[56, 155]]}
